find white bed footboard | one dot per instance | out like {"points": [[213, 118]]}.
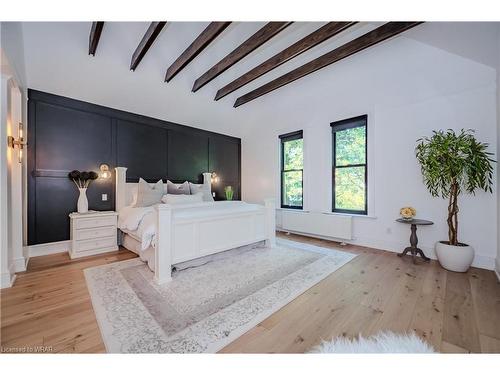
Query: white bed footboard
{"points": [[180, 240], [270, 205], [164, 243]]}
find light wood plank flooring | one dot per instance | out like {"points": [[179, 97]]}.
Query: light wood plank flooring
{"points": [[50, 306]]}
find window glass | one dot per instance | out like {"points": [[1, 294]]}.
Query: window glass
{"points": [[350, 188], [292, 164], [292, 188], [350, 165], [351, 146]]}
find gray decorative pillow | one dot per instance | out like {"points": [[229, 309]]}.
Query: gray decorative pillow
{"points": [[205, 189], [147, 195], [181, 189]]}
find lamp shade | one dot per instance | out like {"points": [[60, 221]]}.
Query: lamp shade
{"points": [[104, 171]]}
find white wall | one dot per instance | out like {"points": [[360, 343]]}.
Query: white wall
{"points": [[13, 64], [498, 148], [407, 88], [6, 271], [12, 110], [12, 45], [11, 229]]}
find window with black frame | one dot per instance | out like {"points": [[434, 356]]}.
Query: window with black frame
{"points": [[350, 173], [292, 168]]}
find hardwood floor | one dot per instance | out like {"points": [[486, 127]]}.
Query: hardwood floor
{"points": [[49, 306]]}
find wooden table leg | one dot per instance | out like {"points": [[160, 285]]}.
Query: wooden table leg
{"points": [[404, 252], [413, 236], [421, 253], [413, 249]]}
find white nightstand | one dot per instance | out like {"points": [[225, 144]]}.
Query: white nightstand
{"points": [[94, 232]]}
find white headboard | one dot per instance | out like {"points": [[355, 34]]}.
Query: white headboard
{"points": [[124, 191]]}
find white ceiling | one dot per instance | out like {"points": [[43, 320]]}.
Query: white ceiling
{"points": [[57, 61]]}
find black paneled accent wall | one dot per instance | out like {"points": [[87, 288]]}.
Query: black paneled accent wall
{"points": [[66, 134]]}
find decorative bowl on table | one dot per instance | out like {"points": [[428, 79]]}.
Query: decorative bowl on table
{"points": [[407, 213]]}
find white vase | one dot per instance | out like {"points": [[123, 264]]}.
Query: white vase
{"points": [[454, 258], [83, 203]]}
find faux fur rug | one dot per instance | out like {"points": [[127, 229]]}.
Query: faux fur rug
{"points": [[204, 307], [383, 342]]}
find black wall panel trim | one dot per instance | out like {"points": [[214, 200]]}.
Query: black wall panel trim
{"points": [[143, 149], [224, 158], [66, 134], [187, 156]]}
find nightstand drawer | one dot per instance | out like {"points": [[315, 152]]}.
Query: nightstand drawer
{"points": [[95, 244], [95, 222], [93, 233], [85, 234]]}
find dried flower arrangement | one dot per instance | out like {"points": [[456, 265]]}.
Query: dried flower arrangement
{"points": [[407, 213], [82, 180]]}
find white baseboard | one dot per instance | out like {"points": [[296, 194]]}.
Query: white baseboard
{"points": [[19, 264], [7, 280], [497, 268], [480, 261], [49, 248], [279, 229], [485, 262]]}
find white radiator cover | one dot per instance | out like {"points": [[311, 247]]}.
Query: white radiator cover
{"points": [[316, 223]]}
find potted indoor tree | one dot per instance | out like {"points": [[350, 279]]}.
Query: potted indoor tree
{"points": [[451, 164]]}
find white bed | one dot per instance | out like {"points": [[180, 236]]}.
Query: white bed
{"points": [[188, 231]]}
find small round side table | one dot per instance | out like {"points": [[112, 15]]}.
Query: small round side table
{"points": [[413, 249]]}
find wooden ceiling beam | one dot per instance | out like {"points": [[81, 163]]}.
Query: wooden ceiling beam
{"points": [[206, 37], [95, 35], [303, 45], [147, 40], [248, 46], [369, 39]]}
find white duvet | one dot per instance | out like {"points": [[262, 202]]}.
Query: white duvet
{"points": [[140, 222]]}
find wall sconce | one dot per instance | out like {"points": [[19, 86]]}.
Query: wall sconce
{"points": [[19, 142], [215, 178], [104, 171]]}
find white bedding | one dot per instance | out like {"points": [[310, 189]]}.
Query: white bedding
{"points": [[140, 222], [131, 243]]}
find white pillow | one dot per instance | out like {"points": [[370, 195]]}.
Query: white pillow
{"points": [[204, 189], [134, 198], [178, 188], [182, 198], [147, 195]]}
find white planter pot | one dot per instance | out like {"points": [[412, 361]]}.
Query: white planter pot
{"points": [[454, 258], [83, 203]]}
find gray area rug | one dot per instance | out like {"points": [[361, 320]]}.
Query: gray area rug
{"points": [[205, 306]]}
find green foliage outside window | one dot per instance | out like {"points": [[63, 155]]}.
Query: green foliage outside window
{"points": [[293, 154], [350, 146], [350, 156], [350, 188]]}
